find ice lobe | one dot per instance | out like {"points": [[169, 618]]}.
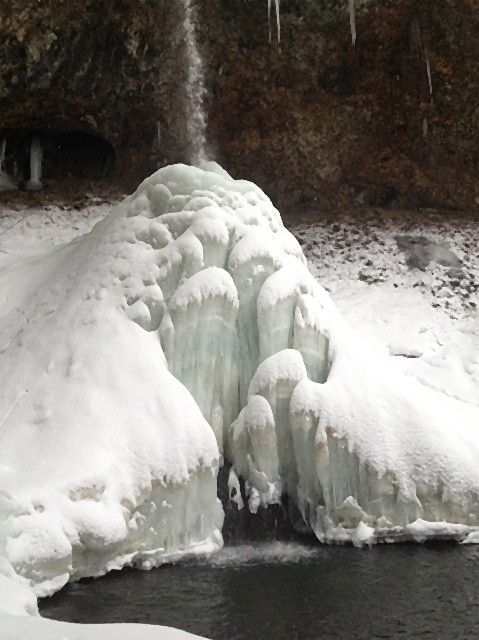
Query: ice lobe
{"points": [[199, 340]]}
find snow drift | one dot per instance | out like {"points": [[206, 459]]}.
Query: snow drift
{"points": [[185, 328]]}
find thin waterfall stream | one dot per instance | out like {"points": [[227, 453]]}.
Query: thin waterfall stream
{"points": [[195, 87]]}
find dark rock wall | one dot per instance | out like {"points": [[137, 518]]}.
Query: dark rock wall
{"points": [[108, 68], [318, 118], [316, 122]]}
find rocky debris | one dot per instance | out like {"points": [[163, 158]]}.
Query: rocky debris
{"points": [[431, 251]]}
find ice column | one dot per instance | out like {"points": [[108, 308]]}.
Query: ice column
{"points": [[352, 21], [278, 20], [6, 183], [36, 159]]}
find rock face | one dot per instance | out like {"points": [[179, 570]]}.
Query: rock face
{"points": [[91, 78], [315, 122]]}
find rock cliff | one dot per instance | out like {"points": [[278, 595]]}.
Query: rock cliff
{"points": [[315, 121]]}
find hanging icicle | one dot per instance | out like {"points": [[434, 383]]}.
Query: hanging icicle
{"points": [[352, 21], [417, 46], [278, 20], [3, 146], [428, 73], [36, 161], [6, 183], [269, 21]]}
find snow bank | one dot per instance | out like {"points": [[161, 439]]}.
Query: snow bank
{"points": [[105, 457], [182, 328], [27, 628]]}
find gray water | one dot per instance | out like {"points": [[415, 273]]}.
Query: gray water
{"points": [[282, 591]]}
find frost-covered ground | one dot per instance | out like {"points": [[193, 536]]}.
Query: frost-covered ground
{"points": [[409, 282]]}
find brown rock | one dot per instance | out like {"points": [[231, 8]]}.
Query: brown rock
{"points": [[315, 122]]}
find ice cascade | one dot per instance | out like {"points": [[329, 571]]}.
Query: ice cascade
{"points": [[184, 329]]}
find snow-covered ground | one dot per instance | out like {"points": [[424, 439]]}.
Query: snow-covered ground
{"points": [[409, 283]]}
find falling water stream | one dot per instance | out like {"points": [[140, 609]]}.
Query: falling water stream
{"points": [[195, 88]]}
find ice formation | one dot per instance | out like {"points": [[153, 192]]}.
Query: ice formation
{"points": [[36, 160], [6, 183], [352, 20], [183, 329], [278, 20]]}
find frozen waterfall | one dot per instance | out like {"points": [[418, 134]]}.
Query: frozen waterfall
{"points": [[185, 329]]}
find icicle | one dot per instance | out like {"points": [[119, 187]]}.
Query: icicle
{"points": [[158, 145], [425, 128], [415, 40], [428, 72], [278, 20], [352, 21], [269, 20], [6, 183], [2, 152], [36, 159], [417, 43]]}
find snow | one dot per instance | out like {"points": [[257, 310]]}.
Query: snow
{"points": [[381, 272], [28, 628], [88, 495], [184, 327], [420, 315], [17, 599]]}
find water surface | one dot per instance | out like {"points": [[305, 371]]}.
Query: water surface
{"points": [[281, 591]]}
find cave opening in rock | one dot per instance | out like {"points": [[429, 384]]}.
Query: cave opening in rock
{"points": [[66, 154]]}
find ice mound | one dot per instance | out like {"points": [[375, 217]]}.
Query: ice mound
{"points": [[296, 403], [183, 329]]}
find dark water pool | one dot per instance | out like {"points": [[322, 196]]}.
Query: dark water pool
{"points": [[285, 591]]}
